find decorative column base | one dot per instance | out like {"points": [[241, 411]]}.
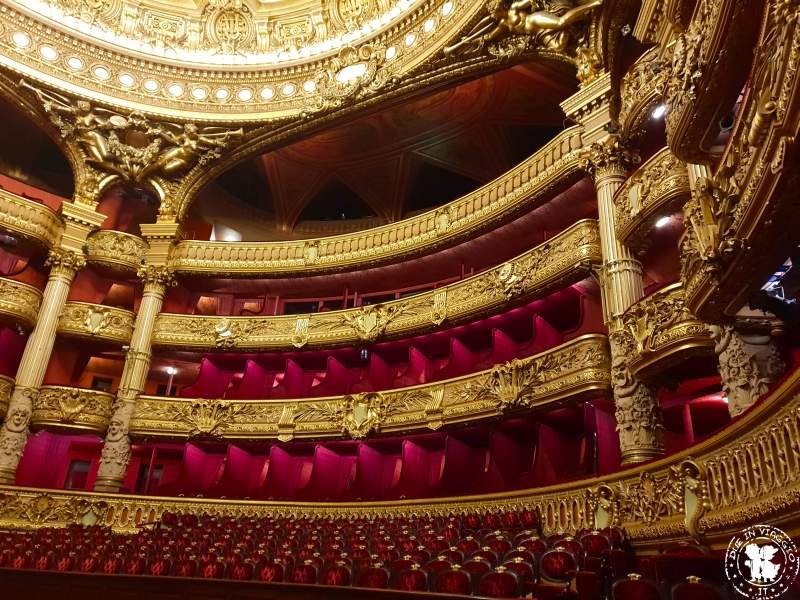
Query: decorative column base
{"points": [[116, 453], [749, 363]]}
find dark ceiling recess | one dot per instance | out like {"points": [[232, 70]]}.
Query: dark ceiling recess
{"points": [[247, 184], [434, 186], [336, 202], [524, 140], [32, 157]]}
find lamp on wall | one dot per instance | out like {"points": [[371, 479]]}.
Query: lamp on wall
{"points": [[171, 372]]}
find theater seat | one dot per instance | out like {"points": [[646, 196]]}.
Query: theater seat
{"points": [[500, 583], [635, 587]]}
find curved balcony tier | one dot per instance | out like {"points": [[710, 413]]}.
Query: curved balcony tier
{"points": [[19, 302], [573, 371], [657, 188], [641, 89], [116, 252], [72, 409], [96, 322], [28, 220], [564, 259], [744, 473], [661, 332], [521, 188]]}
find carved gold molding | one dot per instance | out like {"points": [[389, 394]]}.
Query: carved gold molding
{"points": [[660, 331], [576, 370], [641, 88], [67, 408], [29, 220], [19, 302], [744, 474], [117, 252], [564, 258], [739, 223], [6, 386], [657, 188], [522, 187], [96, 322]]}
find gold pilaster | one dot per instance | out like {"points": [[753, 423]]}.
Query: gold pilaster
{"points": [[156, 277]]}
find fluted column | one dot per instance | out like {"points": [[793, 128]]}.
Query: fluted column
{"points": [[64, 264], [117, 446], [639, 421]]}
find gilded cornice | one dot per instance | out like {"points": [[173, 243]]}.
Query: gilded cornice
{"points": [[29, 220], [747, 472], [96, 322], [563, 259], [659, 187], [6, 385], [116, 252], [523, 187], [19, 302], [739, 223], [659, 331], [573, 371], [74, 409]]}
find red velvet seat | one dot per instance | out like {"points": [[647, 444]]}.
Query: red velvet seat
{"points": [[112, 565], [242, 571], [136, 566], [338, 574], [476, 567], [305, 573], [535, 545], [525, 571], [89, 564], [452, 581], [212, 569], [695, 588], [410, 580], [557, 565], [635, 587], [373, 577], [438, 564], [499, 583], [468, 545], [44, 562], [186, 567], [270, 572]]}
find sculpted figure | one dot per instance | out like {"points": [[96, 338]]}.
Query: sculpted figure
{"points": [[527, 17]]}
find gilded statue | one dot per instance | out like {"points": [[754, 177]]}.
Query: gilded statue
{"points": [[549, 21]]}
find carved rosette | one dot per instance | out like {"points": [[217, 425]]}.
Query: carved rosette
{"points": [[27, 219], [663, 331], [639, 421], [19, 302], [6, 386], [64, 263], [62, 407], [96, 322], [116, 252], [610, 158], [14, 431]]}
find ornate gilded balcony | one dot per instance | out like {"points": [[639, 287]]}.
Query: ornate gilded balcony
{"points": [[658, 187], [642, 89], [564, 258], [524, 186], [662, 332], [96, 322], [31, 221], [68, 408], [573, 371], [19, 302], [117, 252], [6, 387]]}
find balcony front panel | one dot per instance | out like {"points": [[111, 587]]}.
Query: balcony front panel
{"points": [[566, 258], [29, 220], [96, 322], [6, 387], [659, 187], [525, 186], [662, 332], [571, 372], [19, 302], [72, 409], [642, 89], [116, 252]]}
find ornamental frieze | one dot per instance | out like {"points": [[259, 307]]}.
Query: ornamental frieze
{"points": [[117, 252], [576, 370], [523, 187], [76, 409], [19, 302], [565, 258], [96, 322], [659, 187], [29, 220]]}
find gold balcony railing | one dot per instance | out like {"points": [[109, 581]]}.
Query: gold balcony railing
{"points": [[75, 409], [29, 220], [566, 258], [96, 322], [19, 302], [657, 188], [522, 187], [117, 252], [576, 370]]}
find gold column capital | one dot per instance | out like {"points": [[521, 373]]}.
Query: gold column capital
{"points": [[156, 277], [64, 263], [611, 157]]}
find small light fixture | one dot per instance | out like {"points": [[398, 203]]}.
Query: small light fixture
{"points": [[662, 222], [724, 398], [659, 111], [171, 370]]}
